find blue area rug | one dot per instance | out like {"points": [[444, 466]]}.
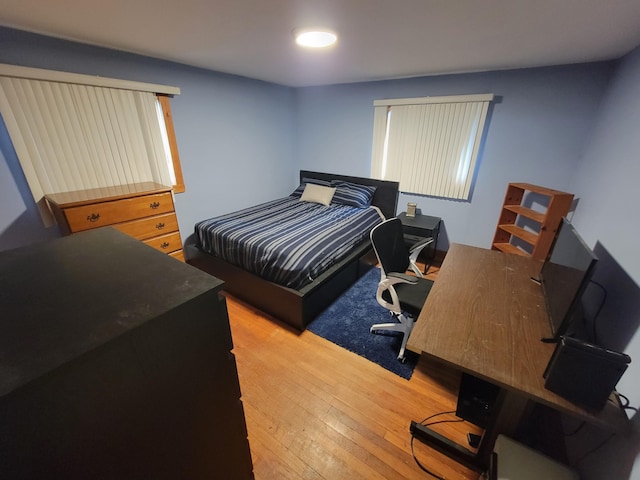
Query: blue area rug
{"points": [[346, 322]]}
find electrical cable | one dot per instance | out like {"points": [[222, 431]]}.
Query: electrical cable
{"points": [[422, 467], [415, 458], [437, 415], [582, 424], [443, 421], [594, 449], [626, 405], [594, 324]]}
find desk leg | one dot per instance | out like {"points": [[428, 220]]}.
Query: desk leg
{"points": [[448, 447], [508, 411]]}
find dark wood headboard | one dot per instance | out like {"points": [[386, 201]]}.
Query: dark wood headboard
{"points": [[385, 196]]}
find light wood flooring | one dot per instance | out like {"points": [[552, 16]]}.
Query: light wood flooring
{"points": [[317, 411]]}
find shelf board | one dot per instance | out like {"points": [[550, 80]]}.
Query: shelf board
{"points": [[525, 235], [549, 192], [526, 212], [508, 248]]}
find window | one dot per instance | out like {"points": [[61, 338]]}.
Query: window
{"points": [[75, 132], [429, 144], [170, 144]]}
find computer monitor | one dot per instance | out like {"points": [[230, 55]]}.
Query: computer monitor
{"points": [[564, 277]]}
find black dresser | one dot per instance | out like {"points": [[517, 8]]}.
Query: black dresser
{"points": [[115, 363]]}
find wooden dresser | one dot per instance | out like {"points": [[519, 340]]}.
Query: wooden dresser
{"points": [[144, 211]]}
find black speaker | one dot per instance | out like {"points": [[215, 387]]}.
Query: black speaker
{"points": [[583, 373]]}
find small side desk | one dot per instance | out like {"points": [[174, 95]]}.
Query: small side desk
{"points": [[485, 316]]}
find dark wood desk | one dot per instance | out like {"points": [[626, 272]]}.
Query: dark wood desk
{"points": [[485, 316]]}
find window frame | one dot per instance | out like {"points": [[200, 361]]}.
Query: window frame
{"points": [[179, 186], [434, 145], [88, 101]]}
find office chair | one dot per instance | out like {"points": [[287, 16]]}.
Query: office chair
{"points": [[403, 295]]}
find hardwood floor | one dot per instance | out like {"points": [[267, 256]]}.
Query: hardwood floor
{"points": [[317, 411]]}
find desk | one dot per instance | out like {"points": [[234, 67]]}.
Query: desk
{"points": [[485, 317]]}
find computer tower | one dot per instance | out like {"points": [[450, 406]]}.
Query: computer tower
{"points": [[476, 399], [584, 373]]}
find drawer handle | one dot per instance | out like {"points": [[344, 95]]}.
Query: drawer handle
{"points": [[93, 217], [160, 226], [154, 205], [164, 245]]}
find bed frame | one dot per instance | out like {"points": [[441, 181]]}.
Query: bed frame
{"points": [[297, 307]]}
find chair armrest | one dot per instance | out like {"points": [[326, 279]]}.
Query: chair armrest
{"points": [[419, 245], [401, 278], [415, 250], [387, 284]]}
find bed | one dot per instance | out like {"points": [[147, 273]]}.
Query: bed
{"points": [[304, 297]]}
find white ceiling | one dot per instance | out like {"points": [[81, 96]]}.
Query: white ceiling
{"points": [[378, 39]]}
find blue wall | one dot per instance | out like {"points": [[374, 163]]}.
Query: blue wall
{"points": [[608, 218], [234, 132], [235, 135], [572, 128], [243, 141], [536, 133]]}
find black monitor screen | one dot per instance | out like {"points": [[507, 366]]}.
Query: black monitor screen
{"points": [[565, 275]]}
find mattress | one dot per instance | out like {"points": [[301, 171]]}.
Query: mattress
{"points": [[287, 241]]}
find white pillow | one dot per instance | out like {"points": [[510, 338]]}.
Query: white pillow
{"points": [[317, 194]]}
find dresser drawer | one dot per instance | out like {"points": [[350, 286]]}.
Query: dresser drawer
{"points": [[149, 227], [166, 243], [101, 214], [178, 254]]}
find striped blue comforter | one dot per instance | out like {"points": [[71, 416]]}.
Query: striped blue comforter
{"points": [[287, 241]]}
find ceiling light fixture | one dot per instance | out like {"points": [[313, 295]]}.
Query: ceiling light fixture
{"points": [[315, 38]]}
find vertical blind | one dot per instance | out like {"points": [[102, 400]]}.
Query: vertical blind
{"points": [[71, 136], [429, 145]]}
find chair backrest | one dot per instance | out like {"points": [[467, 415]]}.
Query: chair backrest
{"points": [[387, 239]]}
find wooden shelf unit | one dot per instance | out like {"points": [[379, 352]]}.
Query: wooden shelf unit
{"points": [[509, 232]]}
